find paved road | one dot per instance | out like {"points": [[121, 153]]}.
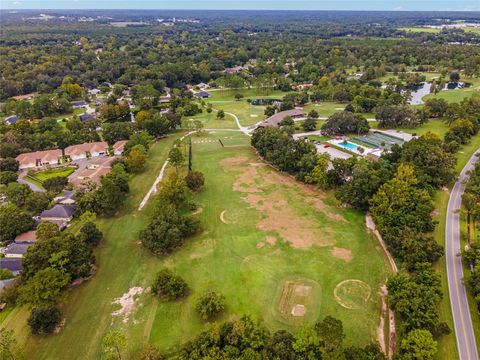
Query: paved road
{"points": [[467, 347]]}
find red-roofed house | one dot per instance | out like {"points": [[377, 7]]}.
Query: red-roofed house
{"points": [[87, 150], [119, 146], [39, 158]]}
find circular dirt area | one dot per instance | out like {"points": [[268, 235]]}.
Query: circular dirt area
{"points": [[352, 294]]}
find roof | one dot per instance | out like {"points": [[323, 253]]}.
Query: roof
{"points": [[11, 264], [31, 157], [201, 94], [275, 119], [5, 283], [16, 249], [79, 149], [119, 145], [29, 236], [78, 103], [85, 117], [24, 97], [11, 119], [65, 196], [59, 212]]}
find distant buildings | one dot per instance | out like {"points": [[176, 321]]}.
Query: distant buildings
{"points": [[78, 104], [86, 117], [202, 95]]}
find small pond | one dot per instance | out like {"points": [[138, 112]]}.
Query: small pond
{"points": [[418, 92]]}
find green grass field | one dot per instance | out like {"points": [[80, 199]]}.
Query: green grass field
{"points": [[260, 229], [63, 171]]}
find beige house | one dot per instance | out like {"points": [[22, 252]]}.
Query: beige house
{"points": [[118, 147], [39, 158], [87, 150]]}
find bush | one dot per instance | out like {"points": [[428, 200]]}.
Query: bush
{"points": [[150, 352], [169, 286], [210, 304], [5, 274], [195, 180], [44, 320], [91, 234], [7, 177], [55, 183]]}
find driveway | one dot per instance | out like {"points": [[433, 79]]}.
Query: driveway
{"points": [[466, 345]]}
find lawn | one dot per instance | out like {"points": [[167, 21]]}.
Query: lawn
{"points": [[261, 230], [420, 29], [63, 171]]}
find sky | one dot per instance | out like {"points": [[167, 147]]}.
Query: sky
{"points": [[397, 5]]}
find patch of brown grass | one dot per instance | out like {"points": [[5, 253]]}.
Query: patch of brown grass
{"points": [[342, 253]]}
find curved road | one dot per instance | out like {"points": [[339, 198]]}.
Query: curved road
{"points": [[467, 347]]}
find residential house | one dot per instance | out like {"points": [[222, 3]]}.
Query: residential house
{"points": [[39, 158], [29, 96], [58, 214], [87, 150], [85, 117], [277, 118], [15, 250], [94, 91], [118, 147], [234, 70], [12, 264], [203, 85], [78, 104], [164, 99], [11, 120], [202, 95], [28, 237]]}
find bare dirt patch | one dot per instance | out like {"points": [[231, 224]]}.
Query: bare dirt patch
{"points": [[234, 161], [272, 240], [260, 245], [127, 302], [352, 293], [342, 253]]}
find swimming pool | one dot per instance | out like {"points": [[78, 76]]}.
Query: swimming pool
{"points": [[351, 147], [348, 145]]}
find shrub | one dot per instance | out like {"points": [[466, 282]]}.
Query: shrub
{"points": [[195, 180], [55, 183], [43, 320], [169, 286], [210, 304], [7, 177]]}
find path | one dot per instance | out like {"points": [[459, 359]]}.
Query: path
{"points": [[153, 188], [32, 186], [466, 344], [243, 129]]}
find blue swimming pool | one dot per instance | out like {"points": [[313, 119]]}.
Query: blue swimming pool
{"points": [[348, 145]]}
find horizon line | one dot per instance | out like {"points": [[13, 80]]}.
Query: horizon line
{"points": [[264, 9]]}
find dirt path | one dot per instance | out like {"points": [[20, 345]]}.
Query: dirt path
{"points": [[153, 188], [392, 337]]}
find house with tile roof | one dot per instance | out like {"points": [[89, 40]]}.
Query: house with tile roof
{"points": [[119, 146], [87, 150], [39, 158]]}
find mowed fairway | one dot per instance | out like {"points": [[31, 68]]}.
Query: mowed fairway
{"points": [[268, 243]]}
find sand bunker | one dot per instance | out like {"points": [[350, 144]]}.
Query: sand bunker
{"points": [[341, 253], [127, 302]]}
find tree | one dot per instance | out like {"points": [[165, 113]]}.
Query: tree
{"points": [[238, 96], [113, 345], [44, 320], [13, 222], [92, 235], [418, 345], [345, 123], [47, 230], [5, 274], [55, 184], [195, 180], [318, 175], [389, 116], [116, 131], [169, 286], [150, 352], [210, 304], [454, 77], [330, 331], [9, 164], [36, 202], [309, 125], [44, 288], [313, 114], [136, 158], [176, 157], [209, 108], [17, 193], [9, 347], [7, 177], [221, 114]]}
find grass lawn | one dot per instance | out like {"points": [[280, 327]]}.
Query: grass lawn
{"points": [[261, 229], [63, 171], [421, 29], [209, 121]]}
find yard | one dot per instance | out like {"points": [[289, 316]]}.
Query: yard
{"points": [[62, 171], [264, 235]]}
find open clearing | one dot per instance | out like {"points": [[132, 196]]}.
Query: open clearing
{"points": [[306, 238]]}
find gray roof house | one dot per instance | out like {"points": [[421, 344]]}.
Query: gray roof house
{"points": [[202, 95], [12, 264], [11, 120], [85, 117], [78, 104], [15, 250], [66, 198], [58, 212]]}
